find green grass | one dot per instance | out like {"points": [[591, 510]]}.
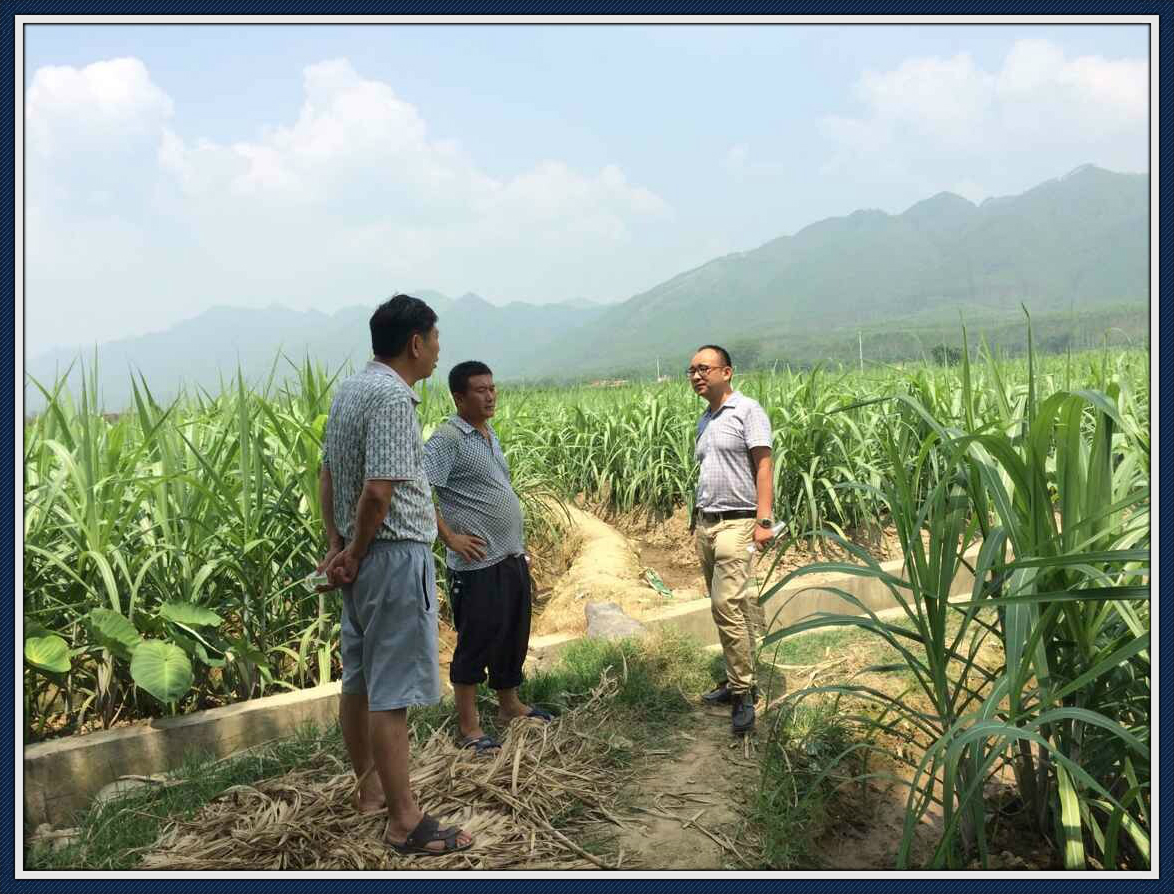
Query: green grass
{"points": [[812, 648], [802, 762], [819, 646], [656, 676], [651, 698]]}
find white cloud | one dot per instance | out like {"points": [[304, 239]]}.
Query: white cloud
{"points": [[1065, 111], [376, 190], [70, 109], [937, 97], [350, 199]]}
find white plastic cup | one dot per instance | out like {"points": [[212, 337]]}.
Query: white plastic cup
{"points": [[314, 581]]}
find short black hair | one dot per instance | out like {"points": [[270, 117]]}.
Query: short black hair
{"points": [[395, 321], [725, 355], [459, 375]]}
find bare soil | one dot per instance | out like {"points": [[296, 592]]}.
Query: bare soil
{"points": [[665, 543], [616, 553], [607, 568], [692, 803], [691, 806]]}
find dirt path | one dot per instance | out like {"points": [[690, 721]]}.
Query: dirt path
{"points": [[692, 803], [693, 806], [692, 798]]}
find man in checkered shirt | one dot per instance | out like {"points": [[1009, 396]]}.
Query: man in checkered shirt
{"points": [[380, 524], [480, 522], [732, 512]]}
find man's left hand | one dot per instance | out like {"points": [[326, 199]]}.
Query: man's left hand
{"points": [[344, 568], [762, 537]]}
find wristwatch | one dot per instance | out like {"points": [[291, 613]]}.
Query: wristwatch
{"points": [[767, 523]]}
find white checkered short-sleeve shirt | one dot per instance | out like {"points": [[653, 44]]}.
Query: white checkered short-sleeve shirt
{"points": [[373, 433], [472, 481], [724, 439]]}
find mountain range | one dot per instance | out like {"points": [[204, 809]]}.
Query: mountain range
{"points": [[1074, 251]]}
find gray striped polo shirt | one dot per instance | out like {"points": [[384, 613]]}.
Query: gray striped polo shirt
{"points": [[724, 439], [373, 433], [472, 482]]}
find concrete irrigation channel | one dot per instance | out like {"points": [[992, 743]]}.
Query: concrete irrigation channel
{"points": [[63, 776]]}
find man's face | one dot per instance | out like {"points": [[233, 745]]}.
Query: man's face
{"points": [[479, 400], [428, 351], [708, 373]]}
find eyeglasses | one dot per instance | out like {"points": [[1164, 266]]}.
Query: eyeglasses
{"points": [[701, 370]]}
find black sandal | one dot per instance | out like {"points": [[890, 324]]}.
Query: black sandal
{"points": [[480, 744], [427, 831]]}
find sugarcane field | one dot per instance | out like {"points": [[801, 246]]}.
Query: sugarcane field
{"points": [[586, 447]]}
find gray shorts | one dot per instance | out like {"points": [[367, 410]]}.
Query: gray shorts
{"points": [[390, 627]]}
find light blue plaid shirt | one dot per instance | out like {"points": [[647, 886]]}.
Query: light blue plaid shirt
{"points": [[726, 481], [373, 433], [472, 481]]}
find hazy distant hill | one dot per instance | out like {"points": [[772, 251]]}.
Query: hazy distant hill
{"points": [[1076, 246], [199, 351], [1075, 250]]}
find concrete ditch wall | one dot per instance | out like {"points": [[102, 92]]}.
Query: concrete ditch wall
{"points": [[62, 776], [803, 596]]}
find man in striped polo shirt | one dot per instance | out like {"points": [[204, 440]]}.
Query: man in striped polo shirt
{"points": [[735, 491], [480, 522]]}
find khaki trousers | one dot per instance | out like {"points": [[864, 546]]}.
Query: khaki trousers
{"points": [[733, 595]]}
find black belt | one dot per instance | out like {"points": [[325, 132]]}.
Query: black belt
{"points": [[729, 514]]}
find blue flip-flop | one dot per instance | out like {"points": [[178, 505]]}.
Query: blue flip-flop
{"points": [[541, 714]]}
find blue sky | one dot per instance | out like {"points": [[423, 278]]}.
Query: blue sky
{"points": [[171, 168]]}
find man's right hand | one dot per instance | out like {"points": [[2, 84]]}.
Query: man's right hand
{"points": [[344, 567], [469, 547], [331, 553]]}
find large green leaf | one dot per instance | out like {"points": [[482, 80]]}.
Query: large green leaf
{"points": [[114, 632], [190, 615], [48, 653], [162, 669], [194, 648]]}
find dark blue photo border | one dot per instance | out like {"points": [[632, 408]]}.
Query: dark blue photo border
{"points": [[408, 883]]}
